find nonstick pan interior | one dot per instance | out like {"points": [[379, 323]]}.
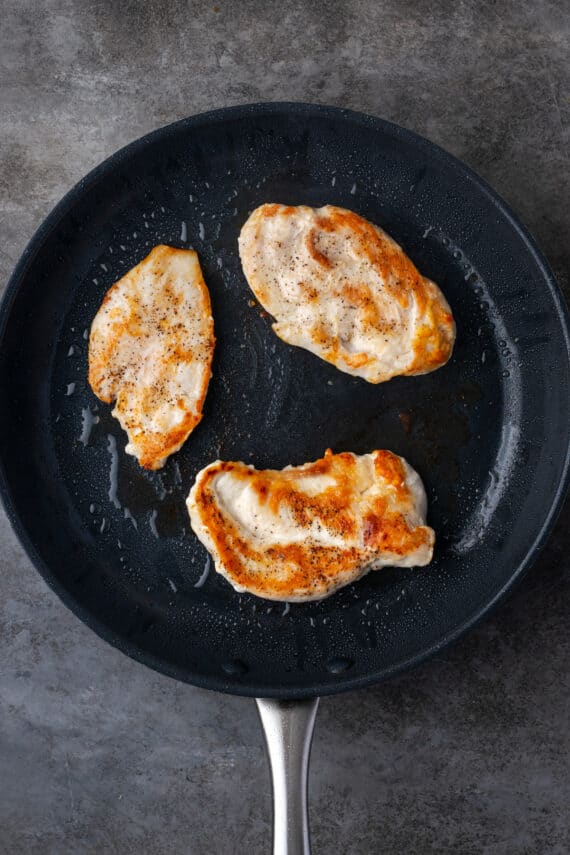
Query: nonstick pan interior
{"points": [[488, 433]]}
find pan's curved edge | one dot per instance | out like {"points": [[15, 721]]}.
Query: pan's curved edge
{"points": [[250, 688]]}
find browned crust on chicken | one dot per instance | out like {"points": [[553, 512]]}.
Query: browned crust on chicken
{"points": [[434, 334], [370, 526], [120, 330]]}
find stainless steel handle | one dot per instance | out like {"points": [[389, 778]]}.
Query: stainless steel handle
{"points": [[288, 728]]}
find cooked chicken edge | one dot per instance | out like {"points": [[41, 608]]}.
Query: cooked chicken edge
{"points": [[303, 532]]}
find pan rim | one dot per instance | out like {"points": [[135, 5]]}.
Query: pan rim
{"points": [[246, 686]]}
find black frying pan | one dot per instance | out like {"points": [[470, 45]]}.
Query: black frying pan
{"points": [[489, 433]]}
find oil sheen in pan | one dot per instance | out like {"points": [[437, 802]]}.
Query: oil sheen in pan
{"points": [[263, 373]]}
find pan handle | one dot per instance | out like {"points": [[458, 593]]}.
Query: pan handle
{"points": [[288, 728]]}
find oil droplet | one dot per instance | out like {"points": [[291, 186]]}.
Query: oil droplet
{"points": [[103, 267], [103, 525], [183, 232], [152, 522], [113, 471], [339, 665], [286, 610], [86, 333], [201, 231], [205, 573], [333, 181], [71, 351], [172, 585], [128, 516], [70, 389], [88, 419], [353, 190], [235, 668]]}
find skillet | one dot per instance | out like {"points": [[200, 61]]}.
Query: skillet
{"points": [[488, 433]]}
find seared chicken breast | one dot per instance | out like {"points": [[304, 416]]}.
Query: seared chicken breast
{"points": [[340, 287], [150, 351], [305, 531]]}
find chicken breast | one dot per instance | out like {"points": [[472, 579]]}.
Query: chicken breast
{"points": [[340, 287], [303, 532], [150, 351]]}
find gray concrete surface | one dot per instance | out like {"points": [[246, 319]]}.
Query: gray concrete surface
{"points": [[469, 754]]}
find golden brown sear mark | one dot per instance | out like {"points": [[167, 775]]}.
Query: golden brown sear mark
{"points": [[310, 529]]}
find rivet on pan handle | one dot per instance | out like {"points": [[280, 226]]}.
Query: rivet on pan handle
{"points": [[288, 728]]}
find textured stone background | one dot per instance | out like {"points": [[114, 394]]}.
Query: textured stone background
{"points": [[468, 754]]}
